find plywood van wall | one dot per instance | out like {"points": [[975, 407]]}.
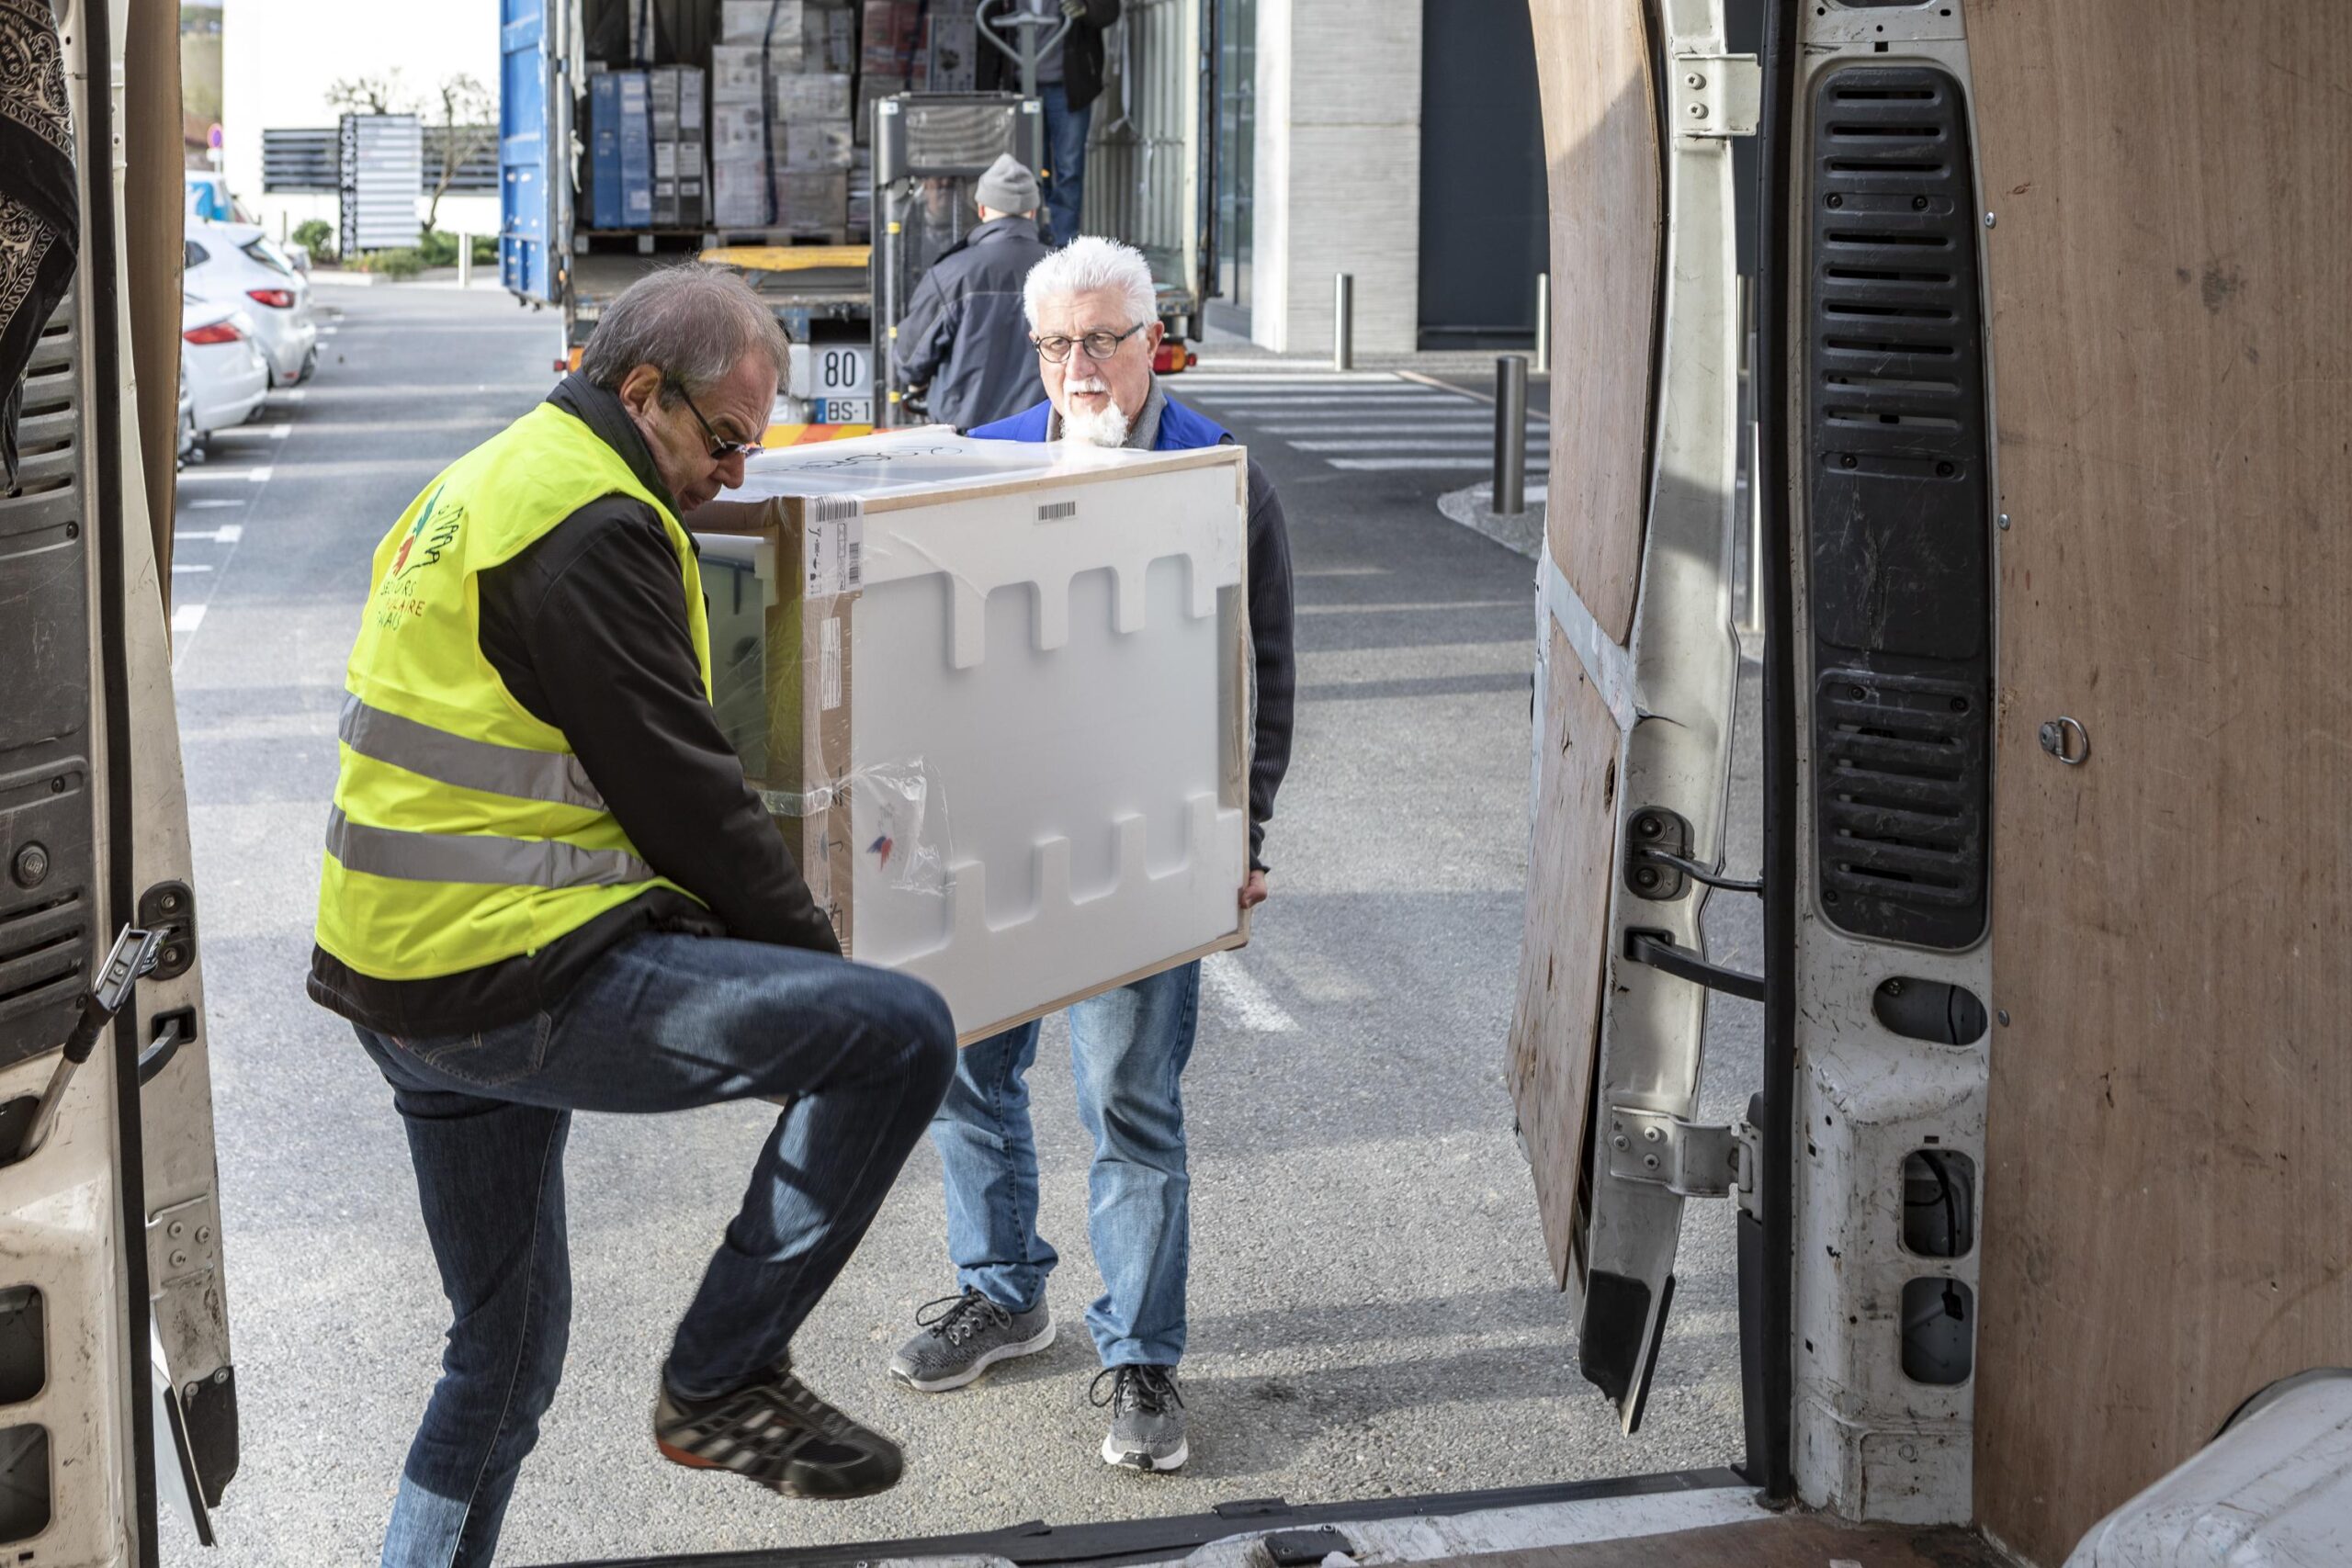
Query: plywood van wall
{"points": [[2165, 1209]]}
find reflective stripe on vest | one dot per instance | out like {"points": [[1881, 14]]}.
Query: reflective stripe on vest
{"points": [[553, 776], [465, 832], [476, 858]]}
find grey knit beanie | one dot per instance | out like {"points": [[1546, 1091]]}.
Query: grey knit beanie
{"points": [[1008, 186]]}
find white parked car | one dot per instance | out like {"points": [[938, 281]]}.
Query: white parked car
{"points": [[239, 265], [188, 411], [227, 374]]}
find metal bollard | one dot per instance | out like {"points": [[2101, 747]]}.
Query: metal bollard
{"points": [[464, 260], [1510, 434], [1543, 323], [1343, 322]]}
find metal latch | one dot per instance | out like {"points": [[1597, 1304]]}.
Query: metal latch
{"points": [[1717, 94], [1688, 1159]]}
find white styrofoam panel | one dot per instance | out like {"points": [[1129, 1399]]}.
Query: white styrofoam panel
{"points": [[2274, 1491], [1048, 667]]}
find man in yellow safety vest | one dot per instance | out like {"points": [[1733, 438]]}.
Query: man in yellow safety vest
{"points": [[547, 889]]}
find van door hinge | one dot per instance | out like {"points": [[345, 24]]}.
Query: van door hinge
{"points": [[1716, 95], [1688, 1159], [183, 1241]]}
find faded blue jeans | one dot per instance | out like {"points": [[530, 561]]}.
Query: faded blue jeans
{"points": [[1065, 159], [1128, 1048], [663, 1022]]}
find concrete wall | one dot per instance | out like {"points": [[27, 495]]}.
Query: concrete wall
{"points": [[278, 59], [1338, 159]]}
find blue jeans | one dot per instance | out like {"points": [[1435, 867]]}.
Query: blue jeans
{"points": [[1128, 1048], [663, 1022], [1065, 159]]}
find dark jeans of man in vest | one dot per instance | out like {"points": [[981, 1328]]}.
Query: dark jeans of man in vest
{"points": [[663, 1022]]}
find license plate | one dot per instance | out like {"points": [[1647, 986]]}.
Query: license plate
{"points": [[832, 370], [841, 411]]}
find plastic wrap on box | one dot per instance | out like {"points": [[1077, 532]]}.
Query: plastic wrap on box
{"points": [[757, 21], [738, 73], [812, 201], [812, 97], [815, 147], [997, 695]]}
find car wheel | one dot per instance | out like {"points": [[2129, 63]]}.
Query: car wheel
{"points": [[310, 368]]}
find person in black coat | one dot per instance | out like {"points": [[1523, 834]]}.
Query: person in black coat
{"points": [[964, 339], [1069, 78]]}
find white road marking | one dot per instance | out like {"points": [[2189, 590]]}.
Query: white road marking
{"points": [[1237, 992], [1303, 401], [259, 432], [178, 567], [251, 476], [1397, 443], [1437, 425], [186, 618], [209, 503], [291, 394], [1463, 464], [227, 534], [1431, 605]]}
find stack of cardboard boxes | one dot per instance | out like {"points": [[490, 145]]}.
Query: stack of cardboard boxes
{"points": [[780, 131], [620, 151], [679, 194]]}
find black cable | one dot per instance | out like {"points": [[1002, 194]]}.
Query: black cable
{"points": [[1777, 1175]]}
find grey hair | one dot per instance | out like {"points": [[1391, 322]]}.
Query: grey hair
{"points": [[694, 323], [1085, 264]]}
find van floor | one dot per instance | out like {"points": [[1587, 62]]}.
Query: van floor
{"points": [[1803, 1541]]}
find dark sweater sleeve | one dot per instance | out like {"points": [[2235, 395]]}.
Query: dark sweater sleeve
{"points": [[926, 334], [614, 667], [1270, 628]]}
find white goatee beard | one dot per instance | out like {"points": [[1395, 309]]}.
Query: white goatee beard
{"points": [[1107, 428]]}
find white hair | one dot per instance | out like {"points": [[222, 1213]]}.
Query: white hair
{"points": [[1085, 264]]}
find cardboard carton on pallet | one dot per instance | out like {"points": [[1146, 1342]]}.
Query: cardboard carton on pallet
{"points": [[997, 695]]}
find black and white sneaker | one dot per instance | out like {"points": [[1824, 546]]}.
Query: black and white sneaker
{"points": [[965, 1335], [777, 1433], [1147, 1418]]}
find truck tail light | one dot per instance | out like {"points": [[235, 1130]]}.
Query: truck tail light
{"points": [[1173, 356]]}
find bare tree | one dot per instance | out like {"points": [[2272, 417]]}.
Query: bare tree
{"points": [[370, 95], [467, 130]]}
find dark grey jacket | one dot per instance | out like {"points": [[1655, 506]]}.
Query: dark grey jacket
{"points": [[964, 334]]}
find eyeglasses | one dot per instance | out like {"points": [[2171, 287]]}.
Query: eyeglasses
{"points": [[1098, 345], [720, 447]]}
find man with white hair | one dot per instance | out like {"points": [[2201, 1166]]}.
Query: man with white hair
{"points": [[1094, 329]]}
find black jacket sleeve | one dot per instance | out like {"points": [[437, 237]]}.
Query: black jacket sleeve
{"points": [[596, 612], [1270, 631], [926, 334]]}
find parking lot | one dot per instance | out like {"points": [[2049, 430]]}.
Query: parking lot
{"points": [[1372, 1311]]}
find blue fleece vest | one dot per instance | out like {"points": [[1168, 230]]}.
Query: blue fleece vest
{"points": [[1181, 429]]}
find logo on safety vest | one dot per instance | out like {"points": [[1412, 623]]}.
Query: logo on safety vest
{"points": [[442, 534]]}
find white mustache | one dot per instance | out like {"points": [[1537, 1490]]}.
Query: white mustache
{"points": [[1090, 384]]}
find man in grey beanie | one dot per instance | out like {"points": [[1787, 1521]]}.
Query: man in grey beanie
{"points": [[964, 337]]}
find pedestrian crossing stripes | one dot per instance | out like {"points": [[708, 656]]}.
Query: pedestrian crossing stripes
{"points": [[1381, 424]]}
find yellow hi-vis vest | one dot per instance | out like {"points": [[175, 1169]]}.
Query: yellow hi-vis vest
{"points": [[464, 830]]}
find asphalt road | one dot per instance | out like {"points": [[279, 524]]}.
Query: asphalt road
{"points": [[1371, 1310]]}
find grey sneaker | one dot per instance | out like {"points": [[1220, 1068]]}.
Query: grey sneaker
{"points": [[965, 1335], [1147, 1418]]}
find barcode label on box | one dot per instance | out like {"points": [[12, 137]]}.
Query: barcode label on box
{"points": [[834, 548], [830, 673], [1056, 511]]}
